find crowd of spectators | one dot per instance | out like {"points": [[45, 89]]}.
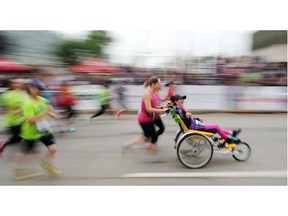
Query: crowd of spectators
{"points": [[253, 73], [223, 71]]}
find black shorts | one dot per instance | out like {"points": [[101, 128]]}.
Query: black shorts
{"points": [[29, 146]]}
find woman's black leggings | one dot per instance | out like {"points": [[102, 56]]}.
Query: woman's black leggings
{"points": [[150, 131], [159, 123]]}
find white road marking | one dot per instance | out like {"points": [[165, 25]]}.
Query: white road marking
{"points": [[239, 174]]}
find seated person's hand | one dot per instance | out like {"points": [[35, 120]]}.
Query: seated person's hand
{"points": [[188, 115], [200, 119]]}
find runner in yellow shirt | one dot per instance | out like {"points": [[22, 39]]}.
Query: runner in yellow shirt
{"points": [[35, 128], [12, 102], [103, 95]]}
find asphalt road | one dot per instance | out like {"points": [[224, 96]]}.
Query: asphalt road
{"points": [[92, 155]]}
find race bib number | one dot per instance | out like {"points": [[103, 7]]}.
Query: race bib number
{"points": [[42, 126]]}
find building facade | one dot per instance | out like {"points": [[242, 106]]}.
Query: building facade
{"points": [[270, 45]]}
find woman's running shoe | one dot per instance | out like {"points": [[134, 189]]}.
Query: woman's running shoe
{"points": [[1, 146]]}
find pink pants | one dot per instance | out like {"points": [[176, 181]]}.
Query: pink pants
{"points": [[222, 132]]}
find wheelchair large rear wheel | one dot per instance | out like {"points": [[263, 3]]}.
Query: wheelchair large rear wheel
{"points": [[177, 137], [194, 150]]}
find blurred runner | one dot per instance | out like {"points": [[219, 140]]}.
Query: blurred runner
{"points": [[120, 91], [170, 90], [12, 102], [103, 96], [68, 102], [35, 128]]}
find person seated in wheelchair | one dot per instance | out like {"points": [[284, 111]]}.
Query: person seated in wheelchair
{"points": [[198, 123]]}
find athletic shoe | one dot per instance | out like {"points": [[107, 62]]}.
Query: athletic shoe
{"points": [[119, 113], [125, 147], [1, 146], [21, 174], [72, 129], [235, 132], [49, 168], [232, 139], [230, 145], [230, 142]]}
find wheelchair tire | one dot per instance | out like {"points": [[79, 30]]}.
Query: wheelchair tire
{"points": [[242, 152], [178, 135], [194, 150]]}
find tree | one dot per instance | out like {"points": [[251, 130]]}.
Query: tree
{"points": [[71, 51], [263, 39]]}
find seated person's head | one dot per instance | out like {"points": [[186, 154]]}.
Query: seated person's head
{"points": [[178, 100]]}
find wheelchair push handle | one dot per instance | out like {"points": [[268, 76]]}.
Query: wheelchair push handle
{"points": [[169, 109]]}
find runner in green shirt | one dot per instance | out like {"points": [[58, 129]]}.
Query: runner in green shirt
{"points": [[12, 102], [103, 96], [35, 128]]}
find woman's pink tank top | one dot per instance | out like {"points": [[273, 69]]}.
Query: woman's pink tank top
{"points": [[144, 116]]}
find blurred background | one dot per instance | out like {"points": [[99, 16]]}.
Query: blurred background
{"points": [[217, 70]]}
